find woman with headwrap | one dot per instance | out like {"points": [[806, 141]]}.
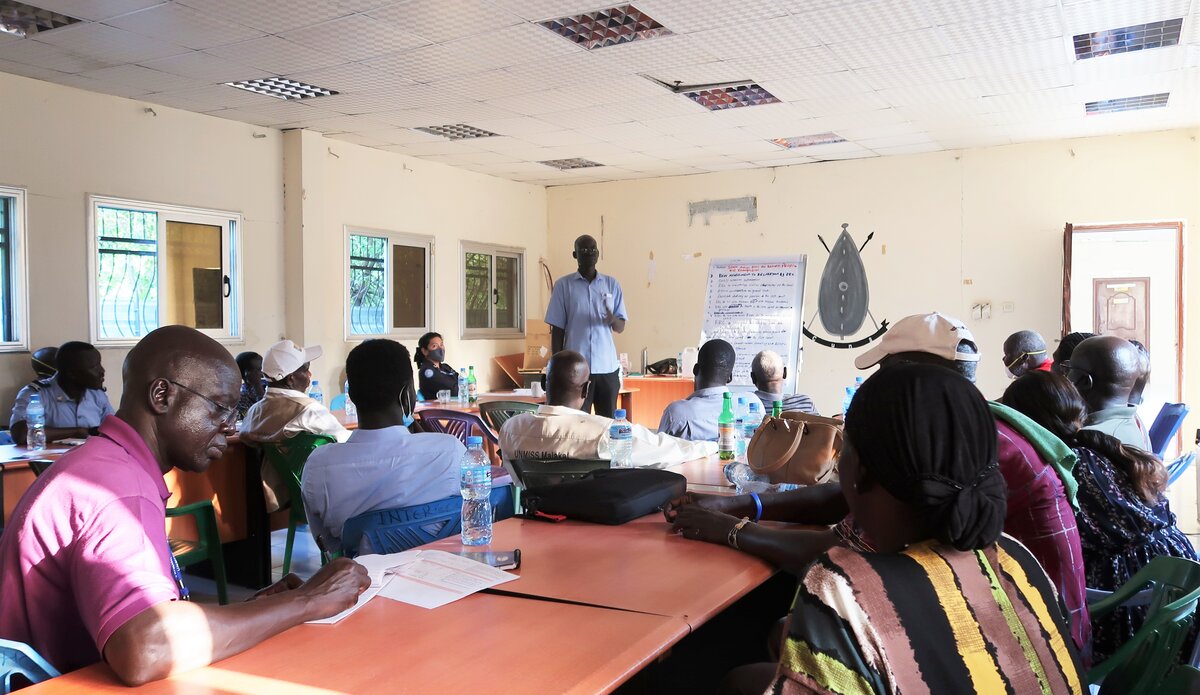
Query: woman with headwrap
{"points": [[1124, 519], [942, 602]]}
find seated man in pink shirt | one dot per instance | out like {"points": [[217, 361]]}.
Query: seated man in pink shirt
{"points": [[85, 569]]}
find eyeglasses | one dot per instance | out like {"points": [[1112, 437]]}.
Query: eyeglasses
{"points": [[1022, 356], [230, 414]]}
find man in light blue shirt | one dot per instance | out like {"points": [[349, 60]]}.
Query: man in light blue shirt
{"points": [[586, 307], [695, 417], [74, 398], [382, 465]]}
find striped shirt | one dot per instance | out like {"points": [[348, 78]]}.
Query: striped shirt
{"points": [[928, 619]]}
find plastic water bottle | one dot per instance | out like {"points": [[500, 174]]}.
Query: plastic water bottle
{"points": [[314, 392], [462, 387], [846, 401], [739, 424], [620, 440], [742, 477], [754, 418], [475, 484], [472, 386], [726, 432], [35, 422], [351, 409]]}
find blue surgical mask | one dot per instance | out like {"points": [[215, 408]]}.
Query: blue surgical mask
{"points": [[408, 420]]}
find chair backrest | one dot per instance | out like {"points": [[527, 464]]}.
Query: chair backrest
{"points": [[538, 472], [455, 423], [1166, 425], [496, 413], [288, 457], [401, 528], [338, 402], [39, 466], [1144, 662], [1176, 468], [19, 659]]}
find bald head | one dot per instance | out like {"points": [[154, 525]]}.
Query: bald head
{"points": [[567, 379], [180, 395], [1066, 346], [1024, 351], [714, 364], [768, 372], [1105, 369]]}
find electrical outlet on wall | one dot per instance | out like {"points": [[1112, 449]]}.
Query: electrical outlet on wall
{"points": [[1008, 307]]}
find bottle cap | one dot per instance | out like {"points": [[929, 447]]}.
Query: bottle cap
{"points": [[474, 442], [316, 383], [741, 400], [619, 414]]}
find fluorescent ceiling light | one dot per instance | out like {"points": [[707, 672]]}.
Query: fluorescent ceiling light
{"points": [[1138, 37], [610, 27], [1146, 101], [23, 20], [809, 140], [282, 88], [456, 131], [569, 164]]}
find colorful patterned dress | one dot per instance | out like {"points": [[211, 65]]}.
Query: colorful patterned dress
{"points": [[928, 619], [1120, 534]]}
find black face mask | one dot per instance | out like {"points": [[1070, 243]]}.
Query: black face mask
{"points": [[438, 355]]}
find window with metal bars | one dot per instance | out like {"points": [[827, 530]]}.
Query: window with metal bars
{"points": [[493, 291], [390, 284], [13, 308], [156, 265]]}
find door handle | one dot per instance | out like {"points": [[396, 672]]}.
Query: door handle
{"points": [[228, 286]]}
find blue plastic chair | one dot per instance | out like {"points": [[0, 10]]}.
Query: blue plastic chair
{"points": [[338, 402], [1176, 468], [402, 528], [19, 659], [1168, 422]]}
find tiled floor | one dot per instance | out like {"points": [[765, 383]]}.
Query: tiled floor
{"points": [[306, 559]]}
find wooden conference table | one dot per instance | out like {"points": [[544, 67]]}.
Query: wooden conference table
{"points": [[618, 597]]}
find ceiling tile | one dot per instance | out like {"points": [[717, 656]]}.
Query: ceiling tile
{"points": [[1009, 30], [652, 56], [91, 85], [782, 161], [400, 136], [556, 138], [1046, 54], [846, 21], [706, 73], [934, 93], [686, 16], [276, 55], [806, 61], [356, 37], [345, 124], [109, 44], [37, 73], [210, 98], [767, 37], [515, 45], [205, 68], [519, 126], [895, 141], [941, 69], [357, 139], [145, 79], [182, 25], [447, 20], [861, 133], [353, 78], [96, 10], [910, 149], [482, 86], [1028, 81], [849, 103], [956, 11], [817, 86], [274, 16], [1097, 15], [909, 47], [45, 56]]}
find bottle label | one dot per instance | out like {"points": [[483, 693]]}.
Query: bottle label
{"points": [[726, 441], [620, 432]]}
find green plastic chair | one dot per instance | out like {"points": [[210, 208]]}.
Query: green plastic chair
{"points": [[496, 413], [187, 552], [288, 458], [1147, 661], [538, 472], [20, 665], [209, 548]]}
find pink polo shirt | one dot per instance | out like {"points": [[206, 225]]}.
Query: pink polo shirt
{"points": [[86, 549]]}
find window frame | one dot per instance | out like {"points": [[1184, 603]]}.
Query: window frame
{"points": [[231, 224], [492, 250], [20, 269], [394, 238]]}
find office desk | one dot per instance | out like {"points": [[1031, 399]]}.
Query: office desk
{"points": [[518, 645], [655, 393]]}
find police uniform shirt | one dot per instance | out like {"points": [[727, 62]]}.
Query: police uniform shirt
{"points": [[433, 379], [61, 409]]}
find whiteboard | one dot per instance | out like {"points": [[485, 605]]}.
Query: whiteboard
{"points": [[757, 304]]}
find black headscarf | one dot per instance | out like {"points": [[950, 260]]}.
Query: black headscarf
{"points": [[927, 435]]}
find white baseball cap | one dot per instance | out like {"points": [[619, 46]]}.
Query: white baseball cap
{"points": [[936, 334], [285, 357]]}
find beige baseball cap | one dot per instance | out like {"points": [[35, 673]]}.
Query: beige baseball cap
{"points": [[936, 334], [285, 357]]}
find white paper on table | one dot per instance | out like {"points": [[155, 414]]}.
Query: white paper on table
{"points": [[378, 565], [37, 453], [436, 578], [362, 600]]}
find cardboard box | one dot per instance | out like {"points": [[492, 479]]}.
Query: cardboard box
{"points": [[537, 345]]}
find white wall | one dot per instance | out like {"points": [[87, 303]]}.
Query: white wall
{"points": [[952, 229], [363, 187], [62, 144]]}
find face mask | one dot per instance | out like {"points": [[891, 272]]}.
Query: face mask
{"points": [[408, 420], [438, 355], [1010, 374]]}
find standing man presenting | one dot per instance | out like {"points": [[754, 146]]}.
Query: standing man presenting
{"points": [[586, 307]]}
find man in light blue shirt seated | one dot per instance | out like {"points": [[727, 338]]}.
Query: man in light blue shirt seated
{"points": [[586, 308], [695, 417], [382, 465], [74, 398], [769, 373]]}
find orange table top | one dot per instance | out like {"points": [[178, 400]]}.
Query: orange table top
{"points": [[392, 647]]}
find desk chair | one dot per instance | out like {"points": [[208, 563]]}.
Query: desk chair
{"points": [[1165, 426], [1147, 661], [537, 472], [187, 552], [402, 528], [496, 413], [455, 423], [20, 660], [288, 458], [338, 402]]}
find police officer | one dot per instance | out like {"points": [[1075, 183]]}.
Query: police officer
{"points": [[432, 371], [74, 397]]}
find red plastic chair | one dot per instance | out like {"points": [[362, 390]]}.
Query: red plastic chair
{"points": [[455, 423]]}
